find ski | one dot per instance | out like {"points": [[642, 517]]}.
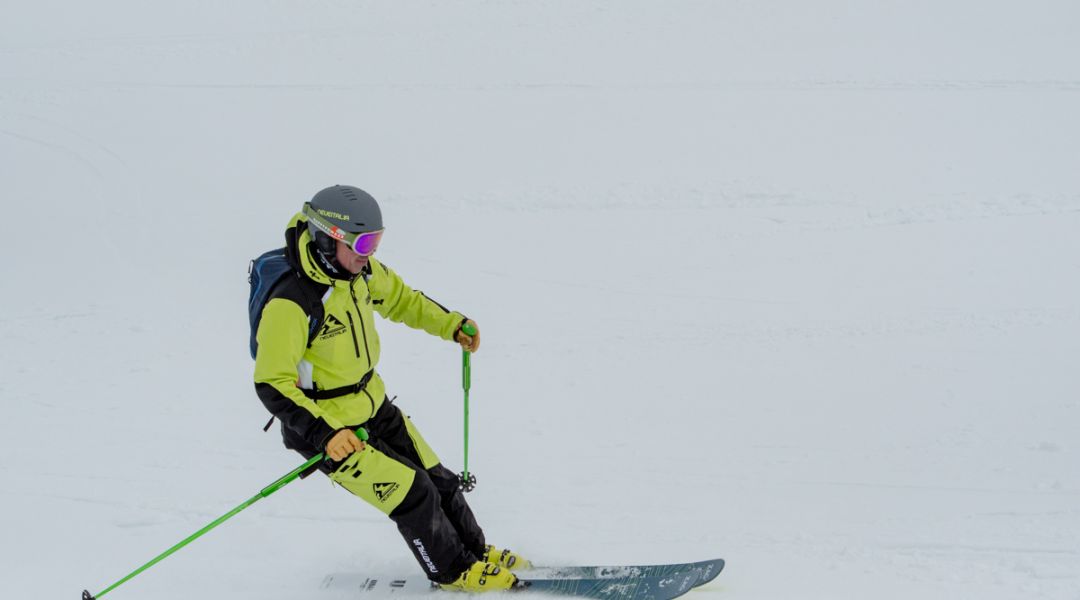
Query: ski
{"points": [[709, 570], [665, 587], [634, 587]]}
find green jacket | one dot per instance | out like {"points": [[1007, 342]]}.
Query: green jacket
{"points": [[346, 346]]}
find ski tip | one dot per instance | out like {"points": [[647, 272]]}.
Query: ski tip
{"points": [[86, 595], [710, 570]]}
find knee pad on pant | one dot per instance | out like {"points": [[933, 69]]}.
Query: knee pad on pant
{"points": [[380, 480], [422, 492]]}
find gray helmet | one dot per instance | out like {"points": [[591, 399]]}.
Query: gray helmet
{"points": [[347, 207]]}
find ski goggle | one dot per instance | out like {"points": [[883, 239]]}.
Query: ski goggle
{"points": [[363, 244]]}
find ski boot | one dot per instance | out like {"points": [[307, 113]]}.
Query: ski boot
{"points": [[505, 558], [482, 577]]}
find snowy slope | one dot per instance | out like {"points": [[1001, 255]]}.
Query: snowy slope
{"points": [[795, 284]]}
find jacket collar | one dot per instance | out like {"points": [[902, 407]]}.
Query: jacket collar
{"points": [[298, 250]]}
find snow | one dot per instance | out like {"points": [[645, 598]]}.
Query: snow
{"points": [[793, 284]]}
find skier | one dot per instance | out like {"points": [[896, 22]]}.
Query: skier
{"points": [[322, 385]]}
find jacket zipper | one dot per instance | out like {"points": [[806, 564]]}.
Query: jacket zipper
{"points": [[352, 330], [363, 330]]}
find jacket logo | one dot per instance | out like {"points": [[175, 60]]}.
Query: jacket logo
{"points": [[332, 326], [384, 490]]}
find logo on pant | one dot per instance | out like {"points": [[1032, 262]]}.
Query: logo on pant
{"points": [[384, 490], [424, 555]]}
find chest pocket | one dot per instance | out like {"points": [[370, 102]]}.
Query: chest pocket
{"points": [[344, 342], [361, 323]]}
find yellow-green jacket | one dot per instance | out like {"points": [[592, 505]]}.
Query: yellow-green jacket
{"points": [[346, 347]]}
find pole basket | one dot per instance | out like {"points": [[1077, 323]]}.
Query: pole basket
{"points": [[466, 482]]}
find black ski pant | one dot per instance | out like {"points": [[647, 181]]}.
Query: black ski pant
{"points": [[433, 516]]}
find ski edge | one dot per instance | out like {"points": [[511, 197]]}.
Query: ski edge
{"points": [[665, 587], [710, 570], [597, 583]]}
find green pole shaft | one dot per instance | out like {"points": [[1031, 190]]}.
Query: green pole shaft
{"points": [[266, 491], [466, 383]]}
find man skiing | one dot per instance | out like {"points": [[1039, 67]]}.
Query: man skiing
{"points": [[322, 385]]}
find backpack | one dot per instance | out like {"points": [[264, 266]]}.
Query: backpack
{"points": [[265, 273]]}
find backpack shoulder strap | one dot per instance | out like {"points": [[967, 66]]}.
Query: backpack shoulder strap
{"points": [[314, 294], [309, 295]]}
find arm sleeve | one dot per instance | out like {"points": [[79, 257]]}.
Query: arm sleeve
{"points": [[401, 304], [282, 337]]}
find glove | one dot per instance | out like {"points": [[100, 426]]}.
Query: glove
{"points": [[342, 444], [471, 343]]}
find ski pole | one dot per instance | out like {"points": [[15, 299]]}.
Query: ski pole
{"points": [[266, 491], [468, 481]]}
